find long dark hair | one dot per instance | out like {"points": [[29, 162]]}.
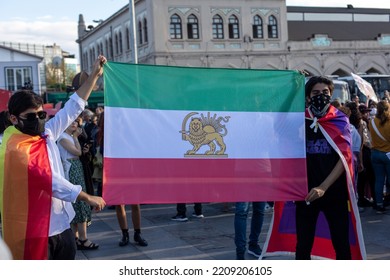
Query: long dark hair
{"points": [[356, 116], [383, 113]]}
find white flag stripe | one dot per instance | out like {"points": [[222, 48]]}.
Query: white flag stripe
{"points": [[142, 133]]}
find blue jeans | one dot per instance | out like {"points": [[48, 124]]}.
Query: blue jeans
{"points": [[381, 166], [240, 224]]}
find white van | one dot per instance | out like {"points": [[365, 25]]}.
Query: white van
{"points": [[341, 91]]}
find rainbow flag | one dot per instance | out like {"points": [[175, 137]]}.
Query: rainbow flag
{"points": [[180, 134], [281, 238], [25, 194]]}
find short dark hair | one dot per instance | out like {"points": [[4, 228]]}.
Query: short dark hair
{"points": [[4, 121], [22, 100], [318, 80]]}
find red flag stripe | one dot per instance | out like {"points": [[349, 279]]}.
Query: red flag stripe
{"points": [[191, 180]]}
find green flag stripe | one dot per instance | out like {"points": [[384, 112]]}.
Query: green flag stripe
{"points": [[188, 88]]}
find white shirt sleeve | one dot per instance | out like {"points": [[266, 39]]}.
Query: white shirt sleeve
{"points": [[63, 189]]}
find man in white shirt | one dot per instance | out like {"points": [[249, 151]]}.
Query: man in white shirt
{"points": [[27, 116]]}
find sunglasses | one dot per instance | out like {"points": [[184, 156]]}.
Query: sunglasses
{"points": [[33, 116]]}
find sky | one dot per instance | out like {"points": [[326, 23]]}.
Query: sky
{"points": [[51, 22]]}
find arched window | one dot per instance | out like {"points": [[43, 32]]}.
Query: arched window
{"points": [[85, 59], [101, 49], [107, 48], [127, 38], [257, 27], [91, 57], [175, 29], [272, 27], [146, 30], [120, 42], [140, 39], [192, 27], [116, 44], [217, 27], [111, 47], [234, 28]]}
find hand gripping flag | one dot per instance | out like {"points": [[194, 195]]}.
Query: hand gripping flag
{"points": [[281, 238], [25, 194]]}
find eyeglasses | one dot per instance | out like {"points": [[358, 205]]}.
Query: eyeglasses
{"points": [[32, 116], [318, 92]]}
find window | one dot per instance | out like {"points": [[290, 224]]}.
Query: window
{"points": [[192, 27], [140, 39], [101, 48], [116, 44], [127, 38], [111, 48], [17, 78], [257, 27], [146, 39], [107, 48], [217, 27], [120, 43], [91, 57], [85, 60], [272, 27], [175, 27], [234, 29]]}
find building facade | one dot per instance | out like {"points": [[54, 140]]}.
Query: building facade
{"points": [[55, 66], [20, 69], [257, 34]]}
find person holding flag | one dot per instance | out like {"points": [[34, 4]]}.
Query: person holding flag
{"points": [[327, 175], [35, 197]]}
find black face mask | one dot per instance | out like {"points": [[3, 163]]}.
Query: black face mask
{"points": [[31, 127], [319, 104]]}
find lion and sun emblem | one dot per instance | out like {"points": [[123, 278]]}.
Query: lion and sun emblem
{"points": [[205, 131]]}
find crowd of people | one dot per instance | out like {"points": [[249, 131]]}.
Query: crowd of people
{"points": [[370, 127], [73, 143]]}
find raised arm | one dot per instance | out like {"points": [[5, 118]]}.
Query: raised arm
{"points": [[86, 88]]}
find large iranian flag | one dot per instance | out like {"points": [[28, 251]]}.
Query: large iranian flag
{"points": [[180, 134]]}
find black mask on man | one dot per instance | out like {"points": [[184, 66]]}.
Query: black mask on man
{"points": [[319, 104], [31, 127]]}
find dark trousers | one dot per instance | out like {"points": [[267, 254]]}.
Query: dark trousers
{"points": [[182, 209], [367, 176], [336, 214], [62, 246]]}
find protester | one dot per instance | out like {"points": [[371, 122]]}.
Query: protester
{"points": [[120, 209], [136, 219], [70, 152], [366, 179], [181, 215], [327, 184], [34, 190], [380, 133], [240, 227]]}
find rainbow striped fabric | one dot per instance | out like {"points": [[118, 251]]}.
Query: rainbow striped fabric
{"points": [[282, 237], [25, 194]]}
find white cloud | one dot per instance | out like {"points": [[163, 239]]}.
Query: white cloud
{"points": [[62, 33], [47, 17]]}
